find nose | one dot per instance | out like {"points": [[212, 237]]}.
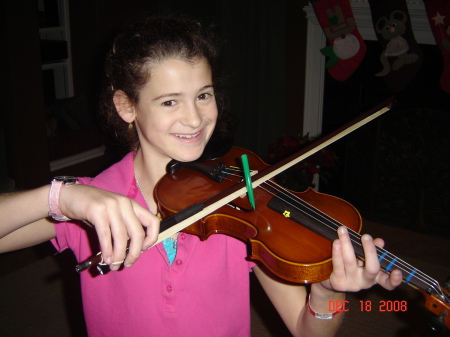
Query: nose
{"points": [[192, 116]]}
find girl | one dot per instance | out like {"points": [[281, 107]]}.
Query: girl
{"points": [[162, 98]]}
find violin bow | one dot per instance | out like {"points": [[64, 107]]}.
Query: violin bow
{"points": [[195, 212], [203, 209]]}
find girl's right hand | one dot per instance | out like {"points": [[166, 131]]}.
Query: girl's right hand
{"points": [[116, 219]]}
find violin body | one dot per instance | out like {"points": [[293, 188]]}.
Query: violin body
{"points": [[286, 248]]}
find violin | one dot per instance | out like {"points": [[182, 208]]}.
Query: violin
{"points": [[294, 253], [289, 232]]}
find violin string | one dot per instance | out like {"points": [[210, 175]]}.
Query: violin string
{"points": [[402, 265], [235, 175]]}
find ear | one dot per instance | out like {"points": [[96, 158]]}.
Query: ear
{"points": [[380, 24], [124, 106], [399, 15]]}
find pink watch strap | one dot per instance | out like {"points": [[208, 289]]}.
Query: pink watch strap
{"points": [[53, 201]]}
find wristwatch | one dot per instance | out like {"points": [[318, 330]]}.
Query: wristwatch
{"points": [[53, 196]]}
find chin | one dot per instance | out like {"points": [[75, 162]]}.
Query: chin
{"points": [[188, 157]]}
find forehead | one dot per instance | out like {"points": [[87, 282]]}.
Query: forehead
{"points": [[177, 64], [177, 75]]}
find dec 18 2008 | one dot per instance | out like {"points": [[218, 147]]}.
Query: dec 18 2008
{"points": [[382, 306]]}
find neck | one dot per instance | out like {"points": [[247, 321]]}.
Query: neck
{"points": [[148, 172]]}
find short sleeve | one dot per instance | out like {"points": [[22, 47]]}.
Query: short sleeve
{"points": [[60, 241]]}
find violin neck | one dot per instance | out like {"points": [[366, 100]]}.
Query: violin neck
{"points": [[325, 226]]}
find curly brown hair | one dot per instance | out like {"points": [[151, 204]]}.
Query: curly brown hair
{"points": [[144, 44]]}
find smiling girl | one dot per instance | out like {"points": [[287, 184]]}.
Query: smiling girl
{"points": [[162, 98]]}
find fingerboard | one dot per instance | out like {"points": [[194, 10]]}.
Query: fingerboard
{"points": [[325, 226]]}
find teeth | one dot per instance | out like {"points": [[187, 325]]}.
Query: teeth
{"points": [[187, 136]]}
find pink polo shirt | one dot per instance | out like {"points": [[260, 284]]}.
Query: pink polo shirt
{"points": [[204, 293]]}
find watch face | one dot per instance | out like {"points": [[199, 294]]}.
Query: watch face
{"points": [[66, 180]]}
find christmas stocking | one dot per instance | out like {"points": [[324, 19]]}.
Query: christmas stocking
{"points": [[346, 48], [438, 12], [401, 57]]}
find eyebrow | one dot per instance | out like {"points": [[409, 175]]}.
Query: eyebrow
{"points": [[177, 94], [167, 95]]}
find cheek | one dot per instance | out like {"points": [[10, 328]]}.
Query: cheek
{"points": [[213, 116], [151, 127], [213, 113]]}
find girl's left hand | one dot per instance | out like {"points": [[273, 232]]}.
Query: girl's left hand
{"points": [[351, 274]]}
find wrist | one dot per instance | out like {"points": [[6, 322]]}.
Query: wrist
{"points": [[332, 311], [321, 297]]}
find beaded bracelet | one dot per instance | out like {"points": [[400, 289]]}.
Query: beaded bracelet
{"points": [[322, 316]]}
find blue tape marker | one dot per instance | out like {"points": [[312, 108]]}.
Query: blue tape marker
{"points": [[382, 256], [391, 264], [410, 276]]}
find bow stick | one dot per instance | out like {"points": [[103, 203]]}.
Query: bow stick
{"points": [[195, 212]]}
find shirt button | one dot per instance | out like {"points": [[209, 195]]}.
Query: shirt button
{"points": [[182, 236], [169, 289], [179, 262]]}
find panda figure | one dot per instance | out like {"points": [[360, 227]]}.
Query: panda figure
{"points": [[397, 47]]}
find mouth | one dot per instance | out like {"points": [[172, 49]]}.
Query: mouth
{"points": [[186, 136]]}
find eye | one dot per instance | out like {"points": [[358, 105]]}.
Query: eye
{"points": [[169, 103], [204, 96]]}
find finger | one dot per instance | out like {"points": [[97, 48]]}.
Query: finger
{"points": [[390, 281], [104, 237], [150, 222], [139, 239], [379, 242], [337, 259], [348, 253], [152, 230], [371, 264], [120, 239], [136, 236]]}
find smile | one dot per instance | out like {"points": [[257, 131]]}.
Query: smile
{"points": [[187, 136]]}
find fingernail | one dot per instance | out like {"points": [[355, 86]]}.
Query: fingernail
{"points": [[114, 267], [129, 265], [108, 260], [367, 237]]}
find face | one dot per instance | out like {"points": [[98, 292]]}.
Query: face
{"points": [[177, 111]]}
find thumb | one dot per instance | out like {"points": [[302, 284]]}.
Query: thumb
{"points": [[150, 222]]}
